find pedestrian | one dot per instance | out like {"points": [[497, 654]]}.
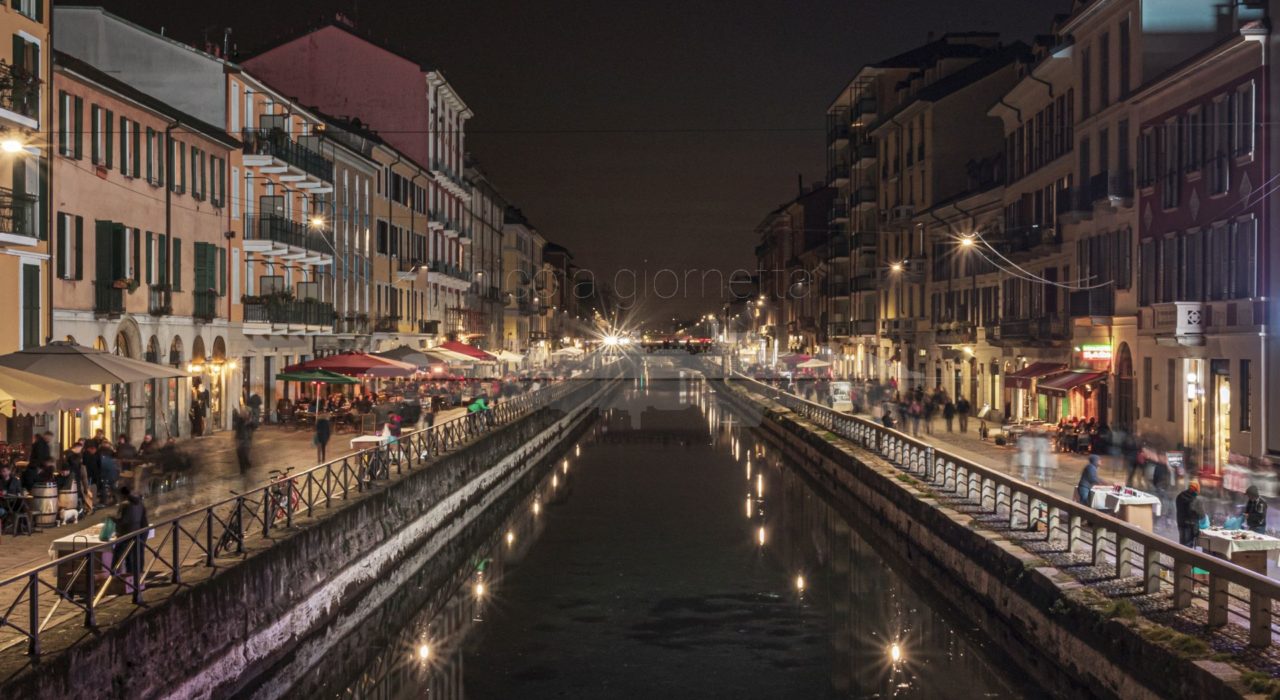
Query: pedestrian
{"points": [[254, 402], [108, 474], [1190, 512], [962, 410], [917, 412], [130, 518], [1088, 479], [1255, 511], [930, 410], [41, 448], [321, 438], [242, 428], [948, 412], [147, 446], [1136, 473]]}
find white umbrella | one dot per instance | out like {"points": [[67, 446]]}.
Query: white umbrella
{"points": [[84, 366], [813, 364], [24, 392], [508, 356]]}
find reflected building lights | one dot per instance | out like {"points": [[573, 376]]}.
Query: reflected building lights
{"points": [[800, 583], [759, 485], [511, 538], [760, 535]]}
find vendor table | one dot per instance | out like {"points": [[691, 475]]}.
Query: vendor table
{"points": [[70, 571], [1242, 547], [364, 442], [1137, 508]]}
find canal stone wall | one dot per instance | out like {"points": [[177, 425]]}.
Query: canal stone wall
{"points": [[1031, 611], [228, 635]]}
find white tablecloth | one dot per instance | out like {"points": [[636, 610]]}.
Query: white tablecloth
{"points": [[1223, 542], [1105, 498], [83, 539], [364, 442]]}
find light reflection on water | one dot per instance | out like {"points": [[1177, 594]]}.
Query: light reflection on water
{"points": [[874, 635]]}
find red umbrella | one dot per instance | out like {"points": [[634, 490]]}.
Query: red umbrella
{"points": [[355, 364], [468, 350]]}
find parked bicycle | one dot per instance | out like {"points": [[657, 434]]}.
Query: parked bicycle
{"points": [[233, 534], [283, 493]]}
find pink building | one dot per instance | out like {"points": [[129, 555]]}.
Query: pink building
{"points": [[343, 73]]}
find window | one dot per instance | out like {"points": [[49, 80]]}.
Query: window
{"points": [[1244, 255], [1246, 389], [197, 173], [128, 150], [108, 142], [1193, 253], [177, 264], [1219, 145], [1171, 385], [1125, 53], [1169, 162], [1104, 71], [31, 8], [30, 306], [95, 137], [1168, 268], [1193, 142], [1086, 84], [1146, 387], [1242, 138], [1147, 153], [70, 247]]}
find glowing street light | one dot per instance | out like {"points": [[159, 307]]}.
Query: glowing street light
{"points": [[967, 241], [895, 652], [424, 651], [895, 267], [11, 145], [317, 222]]}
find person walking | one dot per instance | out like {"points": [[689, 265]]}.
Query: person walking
{"points": [[242, 427], [1255, 511], [962, 410], [130, 518], [1088, 479], [108, 475], [1190, 511], [948, 411], [917, 412], [930, 410], [321, 439]]}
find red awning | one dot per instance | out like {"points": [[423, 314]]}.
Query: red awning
{"points": [[1062, 383], [468, 350], [355, 364], [1022, 378]]}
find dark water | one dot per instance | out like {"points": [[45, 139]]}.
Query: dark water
{"points": [[673, 556]]}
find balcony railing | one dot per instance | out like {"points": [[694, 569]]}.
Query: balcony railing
{"points": [[18, 213], [352, 325], [837, 173], [439, 167], [1092, 303], [290, 312], [864, 196], [272, 227], [864, 153], [1048, 329], [839, 131], [1027, 239], [386, 324], [839, 212], [159, 300], [838, 248], [19, 90], [864, 239], [1185, 321], [204, 304], [1109, 185], [278, 144], [444, 268], [863, 108], [955, 333], [108, 299]]}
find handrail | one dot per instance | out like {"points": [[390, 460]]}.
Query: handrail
{"points": [[1130, 543], [202, 535]]}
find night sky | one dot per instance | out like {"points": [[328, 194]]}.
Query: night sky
{"points": [[640, 134]]}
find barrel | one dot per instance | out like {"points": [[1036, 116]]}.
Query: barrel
{"points": [[69, 498], [44, 504]]}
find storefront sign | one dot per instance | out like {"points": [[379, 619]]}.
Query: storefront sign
{"points": [[1095, 352]]}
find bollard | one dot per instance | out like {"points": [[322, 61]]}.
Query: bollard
{"points": [[1151, 570], [1124, 566], [1218, 600]]}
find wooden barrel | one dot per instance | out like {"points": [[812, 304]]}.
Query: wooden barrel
{"points": [[69, 498], [44, 504]]}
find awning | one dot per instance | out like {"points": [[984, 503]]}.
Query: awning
{"points": [[475, 353], [1062, 383], [356, 364], [1022, 378]]}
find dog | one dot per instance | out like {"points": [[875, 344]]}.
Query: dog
{"points": [[68, 516]]}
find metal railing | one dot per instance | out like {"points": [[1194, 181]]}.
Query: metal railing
{"points": [[272, 227], [279, 144], [159, 300], [19, 90], [169, 548], [290, 312], [1161, 565], [108, 299], [204, 304], [18, 213]]}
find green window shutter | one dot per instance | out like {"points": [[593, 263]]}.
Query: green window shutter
{"points": [[198, 256], [109, 139], [118, 261], [163, 258], [64, 119], [150, 256], [39, 10], [79, 247], [78, 111], [137, 150], [137, 255], [95, 139], [150, 170], [60, 253], [177, 263], [222, 271], [102, 250], [169, 160]]}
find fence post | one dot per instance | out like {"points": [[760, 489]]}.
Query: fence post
{"points": [[208, 536], [1259, 620], [1099, 538], [137, 552], [1074, 533], [33, 608], [1151, 570], [177, 552], [1183, 582], [1218, 600], [1124, 566]]}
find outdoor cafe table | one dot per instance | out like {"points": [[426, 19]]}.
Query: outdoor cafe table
{"points": [[75, 542], [364, 442], [1242, 547], [1137, 508]]}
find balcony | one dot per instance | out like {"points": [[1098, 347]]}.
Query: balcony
{"points": [[839, 213], [449, 274], [1046, 331], [1075, 204], [955, 333], [159, 300], [864, 240], [18, 224], [839, 131], [451, 181], [1093, 303], [204, 305], [271, 235], [1175, 323], [386, 324], [108, 299], [1028, 239], [19, 95], [352, 324], [1115, 188], [275, 151], [838, 249], [864, 110], [466, 236], [436, 220], [864, 155], [863, 197], [899, 329], [284, 316], [838, 174], [407, 270]]}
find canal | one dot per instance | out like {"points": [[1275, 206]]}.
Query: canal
{"points": [[669, 554]]}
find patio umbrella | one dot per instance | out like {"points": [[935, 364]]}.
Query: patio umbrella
{"points": [[471, 351], [404, 353], [444, 355], [570, 351], [813, 364], [508, 356], [316, 375], [357, 363], [77, 364], [24, 392], [793, 359]]}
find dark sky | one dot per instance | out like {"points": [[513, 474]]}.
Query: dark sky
{"points": [[656, 133]]}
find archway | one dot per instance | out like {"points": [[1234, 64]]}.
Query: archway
{"points": [[150, 398], [170, 424], [1126, 411], [216, 378]]}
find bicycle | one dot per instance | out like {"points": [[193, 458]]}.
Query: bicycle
{"points": [[279, 481], [234, 532]]}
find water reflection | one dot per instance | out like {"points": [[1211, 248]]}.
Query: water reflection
{"points": [[635, 575]]}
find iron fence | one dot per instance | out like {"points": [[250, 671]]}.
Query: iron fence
{"points": [[1228, 592]]}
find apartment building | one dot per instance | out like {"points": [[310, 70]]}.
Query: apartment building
{"points": [[141, 248], [932, 135], [792, 259], [487, 212], [1202, 234], [521, 266]]}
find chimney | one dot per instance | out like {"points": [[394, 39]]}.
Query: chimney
{"points": [[800, 183]]}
